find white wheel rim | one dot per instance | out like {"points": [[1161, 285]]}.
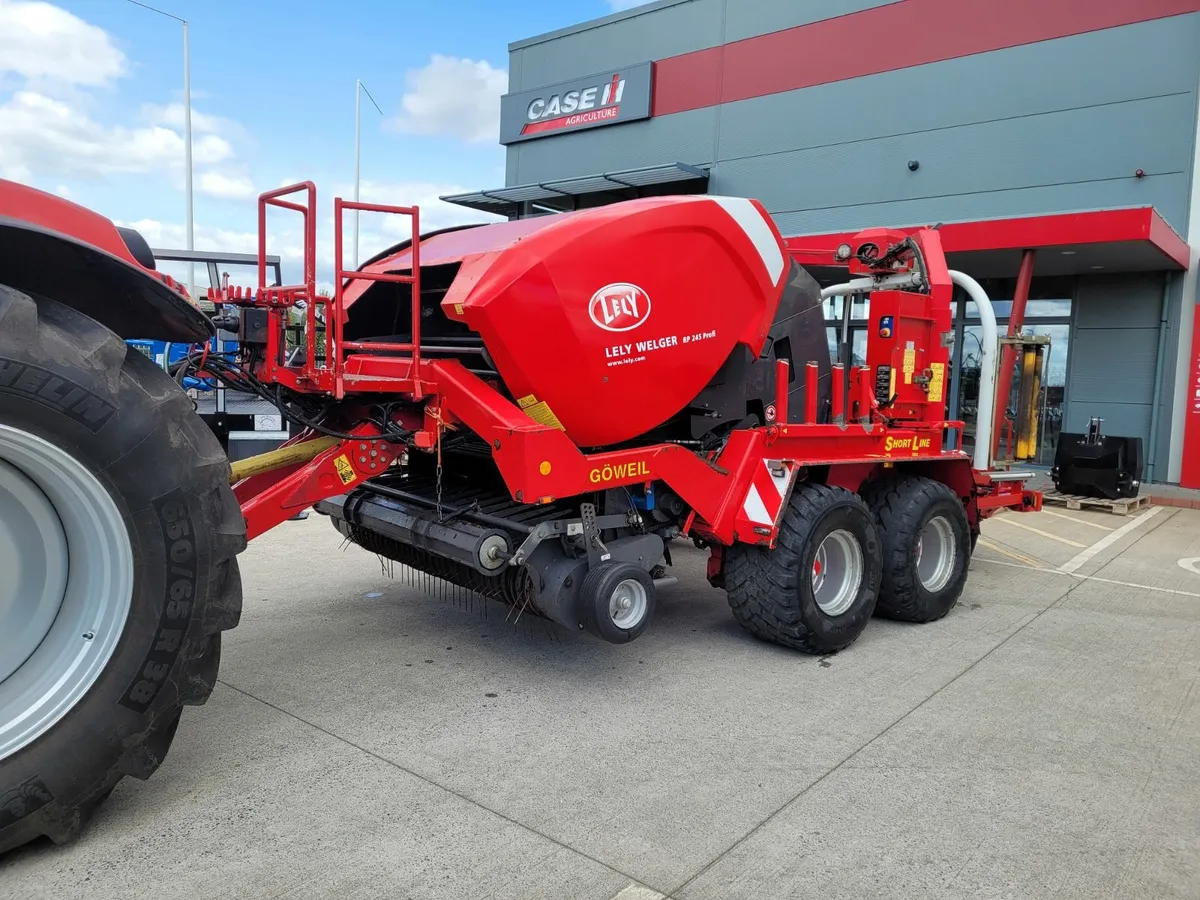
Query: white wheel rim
{"points": [[627, 604], [64, 610], [936, 553], [837, 572]]}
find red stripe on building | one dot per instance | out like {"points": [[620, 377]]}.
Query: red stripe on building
{"points": [[884, 39], [1106, 226], [1190, 476]]}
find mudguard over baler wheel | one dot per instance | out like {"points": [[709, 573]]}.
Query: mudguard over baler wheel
{"points": [[927, 545], [816, 590], [118, 537]]}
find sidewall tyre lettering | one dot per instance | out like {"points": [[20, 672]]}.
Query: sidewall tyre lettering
{"points": [[122, 418], [903, 507], [771, 592]]}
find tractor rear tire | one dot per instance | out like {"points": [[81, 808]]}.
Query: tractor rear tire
{"points": [[816, 590], [927, 546], [118, 542]]}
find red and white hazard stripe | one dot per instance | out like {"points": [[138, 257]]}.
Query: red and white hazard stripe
{"points": [[767, 493]]}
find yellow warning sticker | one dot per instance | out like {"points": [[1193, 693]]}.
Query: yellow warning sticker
{"points": [[344, 469], [910, 362], [458, 308], [937, 382], [539, 411]]}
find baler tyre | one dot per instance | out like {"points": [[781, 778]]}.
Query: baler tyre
{"points": [[117, 518], [816, 590], [927, 547], [617, 600]]}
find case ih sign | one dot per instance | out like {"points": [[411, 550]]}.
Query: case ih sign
{"points": [[609, 98]]}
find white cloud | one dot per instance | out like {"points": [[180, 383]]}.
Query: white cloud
{"points": [[435, 213], [226, 187], [40, 41], [455, 97], [47, 127], [173, 236], [171, 115], [46, 136], [377, 231]]}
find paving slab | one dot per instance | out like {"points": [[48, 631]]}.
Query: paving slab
{"points": [[1062, 765], [253, 803], [651, 757], [370, 740]]}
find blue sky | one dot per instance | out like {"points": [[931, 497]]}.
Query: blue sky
{"points": [[91, 91]]}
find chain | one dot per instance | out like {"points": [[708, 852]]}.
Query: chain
{"points": [[438, 417]]}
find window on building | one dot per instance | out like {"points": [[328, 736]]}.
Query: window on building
{"points": [[1047, 313]]}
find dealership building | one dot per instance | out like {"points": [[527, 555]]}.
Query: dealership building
{"points": [[1060, 134]]}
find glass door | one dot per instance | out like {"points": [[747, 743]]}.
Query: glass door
{"points": [[1042, 317]]}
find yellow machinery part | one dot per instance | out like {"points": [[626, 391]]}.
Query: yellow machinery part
{"points": [[1035, 406], [1027, 403], [277, 459]]}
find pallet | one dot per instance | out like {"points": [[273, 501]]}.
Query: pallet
{"points": [[1122, 507]]}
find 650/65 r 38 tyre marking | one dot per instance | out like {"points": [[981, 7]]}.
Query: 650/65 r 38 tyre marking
{"points": [[103, 460], [816, 590]]}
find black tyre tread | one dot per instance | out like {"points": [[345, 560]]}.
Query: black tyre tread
{"points": [[206, 483], [758, 582], [896, 504], [594, 582]]}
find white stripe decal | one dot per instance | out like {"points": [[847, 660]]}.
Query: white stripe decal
{"points": [[754, 509], [781, 480], [756, 228]]}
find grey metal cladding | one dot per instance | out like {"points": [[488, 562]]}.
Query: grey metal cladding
{"points": [[655, 34], [748, 18], [1120, 419], [1085, 70], [1113, 365], [1067, 147], [1114, 345], [1167, 193], [686, 137], [1119, 301], [514, 70]]}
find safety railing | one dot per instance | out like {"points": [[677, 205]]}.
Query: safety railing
{"points": [[342, 278], [279, 298]]}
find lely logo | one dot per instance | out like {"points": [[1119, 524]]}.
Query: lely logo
{"points": [[619, 307]]}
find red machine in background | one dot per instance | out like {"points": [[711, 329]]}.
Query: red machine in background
{"points": [[535, 411]]}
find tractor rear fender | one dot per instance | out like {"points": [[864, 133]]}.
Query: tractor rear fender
{"points": [[53, 248]]}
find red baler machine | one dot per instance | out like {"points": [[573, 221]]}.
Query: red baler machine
{"points": [[535, 410]]}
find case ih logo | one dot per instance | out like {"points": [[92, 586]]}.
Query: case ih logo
{"points": [[598, 103], [619, 307], [590, 101]]}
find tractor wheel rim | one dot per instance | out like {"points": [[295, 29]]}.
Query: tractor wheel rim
{"points": [[837, 572], [63, 613], [936, 553], [627, 604]]}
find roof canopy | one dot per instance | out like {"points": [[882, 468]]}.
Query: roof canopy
{"points": [[1078, 243], [561, 195]]}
